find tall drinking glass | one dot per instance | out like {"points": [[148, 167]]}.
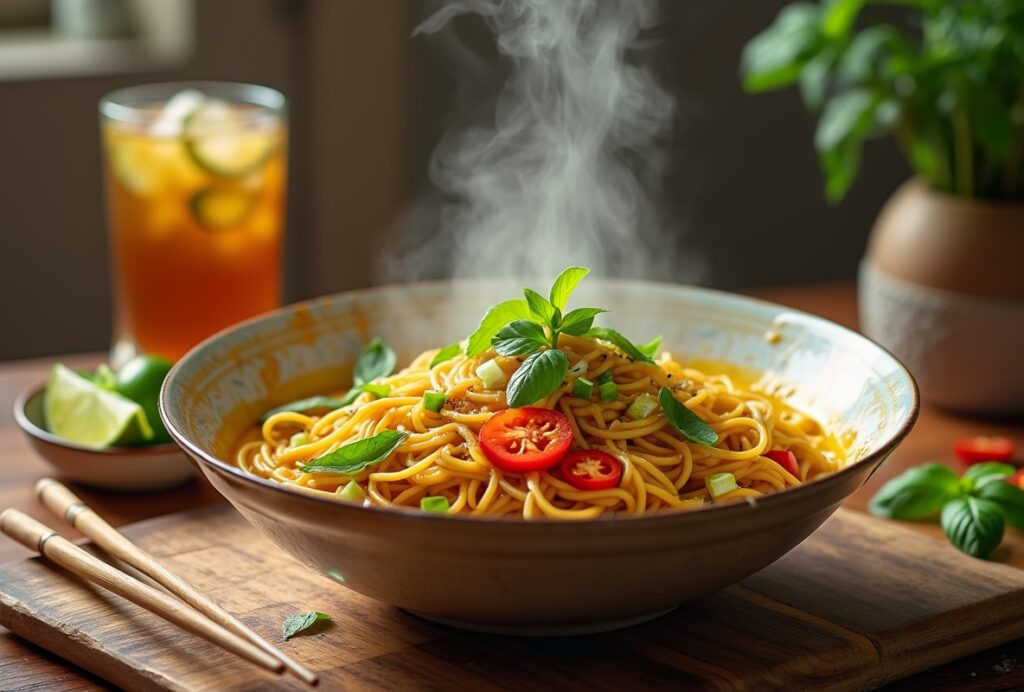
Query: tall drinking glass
{"points": [[195, 181]]}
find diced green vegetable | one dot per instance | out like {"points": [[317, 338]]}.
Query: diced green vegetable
{"points": [[353, 492], [582, 388], [609, 391], [299, 439], [579, 367], [720, 483], [642, 407], [492, 374], [435, 504], [378, 390], [605, 376], [434, 401]]}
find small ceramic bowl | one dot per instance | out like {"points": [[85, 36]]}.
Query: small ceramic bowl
{"points": [[544, 576], [124, 469]]}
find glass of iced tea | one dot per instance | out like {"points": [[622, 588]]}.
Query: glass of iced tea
{"points": [[195, 180]]}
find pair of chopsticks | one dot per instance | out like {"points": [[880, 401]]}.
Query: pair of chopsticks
{"points": [[194, 612]]}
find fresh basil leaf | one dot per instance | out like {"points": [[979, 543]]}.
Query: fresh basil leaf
{"points": [[378, 360], [916, 493], [378, 390], [686, 421], [352, 458], [650, 349], [302, 621], [565, 284], [308, 404], [538, 376], [1010, 499], [579, 321], [519, 337], [446, 354], [978, 475], [495, 318], [974, 525], [620, 342], [540, 308]]}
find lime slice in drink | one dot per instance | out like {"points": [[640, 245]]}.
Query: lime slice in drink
{"points": [[219, 208], [86, 414], [220, 142]]}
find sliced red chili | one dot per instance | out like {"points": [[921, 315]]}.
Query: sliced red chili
{"points": [[976, 449], [591, 469], [786, 459], [526, 439]]}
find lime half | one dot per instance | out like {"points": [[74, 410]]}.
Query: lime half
{"points": [[86, 414], [220, 208]]}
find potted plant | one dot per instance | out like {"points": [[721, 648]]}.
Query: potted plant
{"points": [[942, 283]]}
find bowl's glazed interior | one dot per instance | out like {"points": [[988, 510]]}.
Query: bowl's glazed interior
{"points": [[527, 575]]}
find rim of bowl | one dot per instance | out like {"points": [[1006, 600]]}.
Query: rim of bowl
{"points": [[40, 433], [876, 456]]}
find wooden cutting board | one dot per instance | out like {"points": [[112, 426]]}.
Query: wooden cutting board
{"points": [[859, 603]]}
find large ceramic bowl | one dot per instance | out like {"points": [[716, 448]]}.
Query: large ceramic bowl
{"points": [[550, 576]]}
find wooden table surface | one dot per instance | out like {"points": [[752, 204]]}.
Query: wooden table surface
{"points": [[26, 667]]}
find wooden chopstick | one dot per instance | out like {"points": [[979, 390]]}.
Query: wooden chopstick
{"points": [[62, 502], [37, 536]]}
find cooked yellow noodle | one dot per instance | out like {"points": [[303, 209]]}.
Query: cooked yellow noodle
{"points": [[442, 457]]}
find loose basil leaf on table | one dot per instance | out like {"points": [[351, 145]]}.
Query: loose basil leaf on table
{"points": [[979, 475], [519, 337], [1009, 498], [378, 360], [974, 525], [620, 342], [686, 421], [302, 621], [916, 493], [352, 458], [537, 377]]}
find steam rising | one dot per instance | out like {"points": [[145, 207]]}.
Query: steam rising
{"points": [[567, 171]]}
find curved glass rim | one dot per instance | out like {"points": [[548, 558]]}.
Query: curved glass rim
{"points": [[125, 105]]}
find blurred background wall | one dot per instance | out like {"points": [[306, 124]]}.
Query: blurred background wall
{"points": [[368, 104]]}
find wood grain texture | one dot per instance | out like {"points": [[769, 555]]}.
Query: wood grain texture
{"points": [[843, 610], [23, 666]]}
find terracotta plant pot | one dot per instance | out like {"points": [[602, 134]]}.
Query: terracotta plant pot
{"points": [[942, 287]]}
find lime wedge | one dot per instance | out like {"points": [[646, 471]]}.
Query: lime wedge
{"points": [[219, 141], [86, 414], [219, 208]]}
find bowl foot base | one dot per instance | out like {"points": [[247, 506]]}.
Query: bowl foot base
{"points": [[527, 630]]}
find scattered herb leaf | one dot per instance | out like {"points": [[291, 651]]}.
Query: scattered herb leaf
{"points": [[378, 360], [650, 349], [446, 354], [974, 525], [686, 421], [1010, 499], [620, 342], [352, 458], [916, 493], [302, 622]]}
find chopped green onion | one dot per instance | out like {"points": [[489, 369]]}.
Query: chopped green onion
{"points": [[492, 374], [580, 367], [378, 390], [720, 483], [609, 391], [434, 401], [353, 492], [434, 504], [582, 388], [299, 439], [642, 407], [605, 376]]}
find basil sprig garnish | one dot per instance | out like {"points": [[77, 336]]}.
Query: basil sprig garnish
{"points": [[686, 421], [538, 376], [530, 326], [973, 509], [377, 360], [352, 458]]}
